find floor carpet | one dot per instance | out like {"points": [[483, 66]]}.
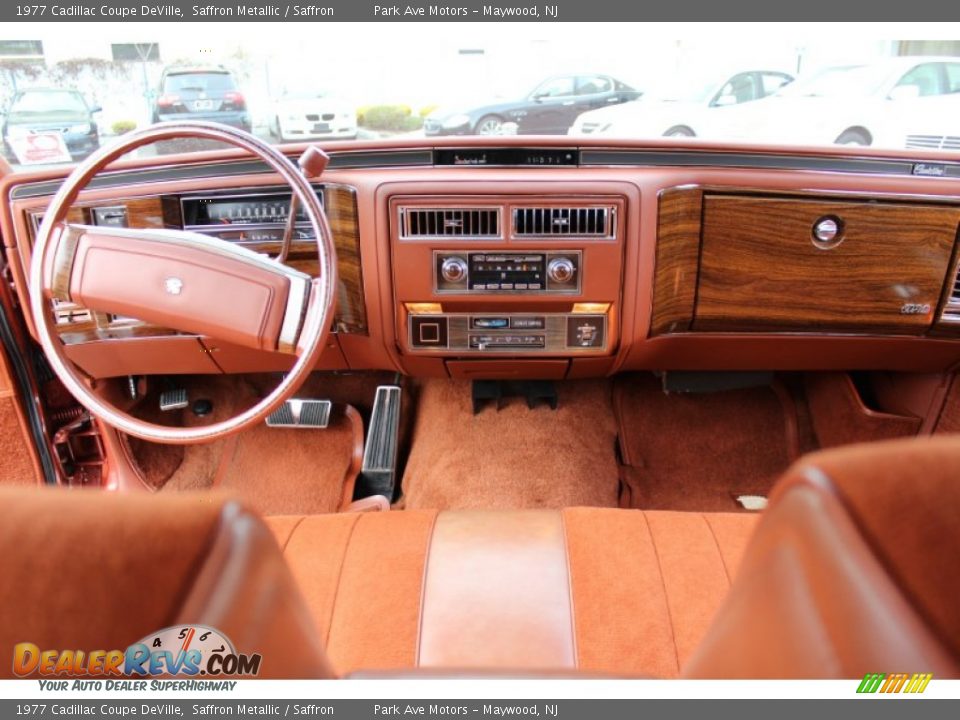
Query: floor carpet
{"points": [[276, 471], [515, 457], [698, 451]]}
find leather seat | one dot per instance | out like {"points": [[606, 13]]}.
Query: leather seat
{"points": [[848, 571]]}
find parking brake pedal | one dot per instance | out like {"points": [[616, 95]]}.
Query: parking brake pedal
{"points": [[304, 414], [175, 399], [379, 471]]}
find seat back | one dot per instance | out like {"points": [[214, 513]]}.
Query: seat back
{"points": [[852, 569], [85, 570]]}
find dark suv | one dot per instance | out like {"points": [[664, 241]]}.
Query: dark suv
{"points": [[201, 93]]}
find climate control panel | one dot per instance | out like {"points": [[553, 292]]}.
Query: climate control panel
{"points": [[550, 272], [546, 333]]}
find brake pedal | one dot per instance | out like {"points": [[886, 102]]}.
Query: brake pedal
{"points": [[175, 399], [379, 470], [300, 413]]}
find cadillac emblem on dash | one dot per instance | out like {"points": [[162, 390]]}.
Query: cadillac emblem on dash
{"points": [[180, 651]]}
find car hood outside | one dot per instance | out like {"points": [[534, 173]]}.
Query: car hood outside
{"points": [[57, 117], [475, 111], [801, 119], [297, 106], [641, 117]]}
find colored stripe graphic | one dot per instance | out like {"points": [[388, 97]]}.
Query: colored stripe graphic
{"points": [[871, 682], [894, 683]]}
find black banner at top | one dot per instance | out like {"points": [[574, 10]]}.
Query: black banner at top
{"points": [[467, 11]]}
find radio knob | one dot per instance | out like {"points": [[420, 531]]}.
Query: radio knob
{"points": [[453, 269], [561, 270]]}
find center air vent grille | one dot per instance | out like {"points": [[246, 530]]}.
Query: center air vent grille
{"points": [[480, 223], [591, 221]]}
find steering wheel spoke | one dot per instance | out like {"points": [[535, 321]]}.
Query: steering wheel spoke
{"points": [[185, 281], [182, 280]]}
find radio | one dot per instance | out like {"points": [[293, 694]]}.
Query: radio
{"points": [[507, 272]]}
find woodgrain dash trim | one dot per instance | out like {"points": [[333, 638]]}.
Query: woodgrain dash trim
{"points": [[760, 269], [677, 259]]}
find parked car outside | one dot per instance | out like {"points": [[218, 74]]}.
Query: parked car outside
{"points": [[549, 109], [681, 107], [935, 127], [201, 93], [849, 105], [316, 115], [38, 111]]}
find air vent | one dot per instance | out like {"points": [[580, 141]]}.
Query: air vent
{"points": [[951, 311], [420, 223], [590, 221]]}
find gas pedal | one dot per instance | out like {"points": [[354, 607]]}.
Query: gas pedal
{"points": [[175, 399], [301, 413], [379, 470]]}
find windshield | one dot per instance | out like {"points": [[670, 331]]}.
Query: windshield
{"points": [[333, 82]]}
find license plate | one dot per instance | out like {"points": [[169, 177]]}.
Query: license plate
{"points": [[321, 127], [203, 104]]}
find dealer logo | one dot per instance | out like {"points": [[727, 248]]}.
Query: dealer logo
{"points": [[178, 651]]}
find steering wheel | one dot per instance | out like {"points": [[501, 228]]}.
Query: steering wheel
{"points": [[182, 280]]}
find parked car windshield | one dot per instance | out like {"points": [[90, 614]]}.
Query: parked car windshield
{"points": [[790, 85]]}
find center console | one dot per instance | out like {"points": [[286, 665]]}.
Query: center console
{"points": [[508, 277]]}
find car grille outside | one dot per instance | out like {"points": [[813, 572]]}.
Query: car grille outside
{"points": [[933, 142], [431, 125]]}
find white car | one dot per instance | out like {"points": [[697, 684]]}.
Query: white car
{"points": [[850, 105], [934, 124], [313, 116], [681, 107]]}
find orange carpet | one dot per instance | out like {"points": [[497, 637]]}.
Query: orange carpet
{"points": [[698, 451], [515, 457]]}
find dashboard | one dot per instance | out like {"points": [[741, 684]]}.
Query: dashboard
{"points": [[492, 258]]}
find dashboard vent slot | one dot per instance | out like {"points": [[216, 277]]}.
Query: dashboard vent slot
{"points": [[420, 223], [951, 311], [587, 222]]}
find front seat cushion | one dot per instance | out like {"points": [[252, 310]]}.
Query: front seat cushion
{"points": [[600, 590]]}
